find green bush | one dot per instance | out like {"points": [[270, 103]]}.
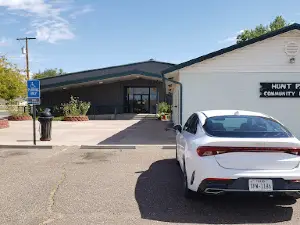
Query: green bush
{"points": [[83, 107], [164, 108], [75, 107]]}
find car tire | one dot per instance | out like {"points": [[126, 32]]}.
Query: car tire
{"points": [[295, 195], [187, 192]]}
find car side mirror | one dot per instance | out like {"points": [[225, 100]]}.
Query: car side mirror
{"points": [[178, 127]]}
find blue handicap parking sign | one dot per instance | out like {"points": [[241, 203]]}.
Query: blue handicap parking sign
{"points": [[33, 89]]}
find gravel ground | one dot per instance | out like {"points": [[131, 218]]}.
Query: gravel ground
{"points": [[74, 186]]}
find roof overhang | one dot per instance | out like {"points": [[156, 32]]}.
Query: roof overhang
{"points": [[104, 79], [271, 34]]}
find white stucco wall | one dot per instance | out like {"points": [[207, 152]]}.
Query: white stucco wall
{"points": [[232, 81], [240, 91]]}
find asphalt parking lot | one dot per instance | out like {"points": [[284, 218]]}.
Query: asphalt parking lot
{"points": [[75, 186]]}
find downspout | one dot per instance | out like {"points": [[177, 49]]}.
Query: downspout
{"points": [[180, 84]]}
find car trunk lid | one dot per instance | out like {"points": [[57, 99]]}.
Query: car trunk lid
{"points": [[258, 154]]}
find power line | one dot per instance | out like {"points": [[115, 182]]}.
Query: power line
{"points": [[27, 60]]}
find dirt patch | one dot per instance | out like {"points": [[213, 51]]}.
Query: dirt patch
{"points": [[80, 163], [96, 156]]}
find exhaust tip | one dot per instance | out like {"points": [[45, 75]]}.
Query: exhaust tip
{"points": [[213, 191]]}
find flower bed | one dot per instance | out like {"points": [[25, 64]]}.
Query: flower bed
{"points": [[4, 123], [19, 118], [76, 118], [75, 110]]}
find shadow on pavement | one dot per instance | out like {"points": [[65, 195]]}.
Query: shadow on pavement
{"points": [[159, 194], [144, 132]]}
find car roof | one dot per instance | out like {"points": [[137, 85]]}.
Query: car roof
{"points": [[211, 113]]}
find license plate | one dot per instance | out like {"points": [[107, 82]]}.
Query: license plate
{"points": [[260, 185]]}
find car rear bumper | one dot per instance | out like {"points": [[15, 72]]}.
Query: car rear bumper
{"points": [[234, 180], [241, 185]]}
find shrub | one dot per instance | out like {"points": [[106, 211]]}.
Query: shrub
{"points": [[75, 107], [84, 107], [164, 108]]}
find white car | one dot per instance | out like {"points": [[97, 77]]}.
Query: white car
{"points": [[223, 151]]}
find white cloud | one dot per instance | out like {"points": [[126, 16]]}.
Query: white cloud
{"points": [[39, 7], [84, 10], [53, 32], [231, 39], [228, 40], [5, 42], [47, 22]]}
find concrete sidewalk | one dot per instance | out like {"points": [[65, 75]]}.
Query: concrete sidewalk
{"points": [[91, 133]]}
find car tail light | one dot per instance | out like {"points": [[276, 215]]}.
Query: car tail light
{"points": [[295, 181], [209, 150], [216, 150]]}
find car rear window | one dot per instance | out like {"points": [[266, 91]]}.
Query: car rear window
{"points": [[244, 126]]}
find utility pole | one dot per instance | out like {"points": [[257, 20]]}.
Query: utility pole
{"points": [[28, 78], [27, 60]]}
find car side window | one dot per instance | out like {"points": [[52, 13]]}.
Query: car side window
{"points": [[193, 124], [187, 124]]}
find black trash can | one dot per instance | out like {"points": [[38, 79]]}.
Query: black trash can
{"points": [[45, 120]]}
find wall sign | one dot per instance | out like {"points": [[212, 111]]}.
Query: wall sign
{"points": [[280, 90]]}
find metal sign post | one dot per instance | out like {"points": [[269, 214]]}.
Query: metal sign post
{"points": [[33, 95], [34, 117]]}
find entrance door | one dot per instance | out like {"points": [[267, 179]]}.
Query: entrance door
{"points": [[140, 103], [140, 99]]}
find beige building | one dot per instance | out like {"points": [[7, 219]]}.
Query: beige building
{"points": [[262, 74]]}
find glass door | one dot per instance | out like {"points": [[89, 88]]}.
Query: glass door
{"points": [[145, 104], [137, 103], [141, 103], [140, 100]]}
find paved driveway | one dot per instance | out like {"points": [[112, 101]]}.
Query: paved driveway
{"points": [[73, 186], [94, 132]]}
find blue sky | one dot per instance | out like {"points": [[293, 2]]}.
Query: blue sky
{"points": [[83, 34]]}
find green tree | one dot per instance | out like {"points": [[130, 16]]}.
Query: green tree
{"points": [[48, 73], [12, 82], [278, 23]]}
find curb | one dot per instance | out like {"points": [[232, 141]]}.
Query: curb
{"points": [[90, 146], [27, 146], [126, 146]]}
